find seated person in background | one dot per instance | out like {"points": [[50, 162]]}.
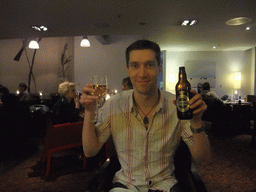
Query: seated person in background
{"points": [[209, 97], [66, 109], [206, 91], [8, 100], [217, 112], [24, 94], [127, 84]]}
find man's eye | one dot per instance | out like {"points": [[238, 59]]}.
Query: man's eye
{"points": [[133, 65], [150, 65]]}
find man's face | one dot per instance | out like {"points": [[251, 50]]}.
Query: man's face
{"points": [[143, 70]]}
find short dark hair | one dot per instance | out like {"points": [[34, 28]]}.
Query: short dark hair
{"points": [[129, 83], [143, 44], [206, 86], [23, 85]]}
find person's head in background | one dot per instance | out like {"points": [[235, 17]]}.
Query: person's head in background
{"points": [[206, 86], [22, 87], [127, 84], [3, 91], [67, 89]]}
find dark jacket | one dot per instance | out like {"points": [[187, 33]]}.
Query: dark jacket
{"points": [[65, 111]]}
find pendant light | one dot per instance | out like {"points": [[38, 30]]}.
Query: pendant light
{"points": [[33, 44], [85, 42]]}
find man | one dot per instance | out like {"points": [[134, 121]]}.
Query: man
{"points": [[206, 91], [24, 94], [127, 84], [144, 125]]}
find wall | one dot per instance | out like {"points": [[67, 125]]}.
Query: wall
{"points": [[46, 67], [226, 64], [110, 60], [101, 59]]}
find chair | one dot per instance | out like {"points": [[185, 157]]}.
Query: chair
{"points": [[220, 115], [251, 98], [59, 137], [185, 171]]}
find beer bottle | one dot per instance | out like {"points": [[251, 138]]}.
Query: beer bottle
{"points": [[183, 88]]}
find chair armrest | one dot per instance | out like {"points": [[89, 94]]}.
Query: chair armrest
{"points": [[102, 180], [197, 180]]}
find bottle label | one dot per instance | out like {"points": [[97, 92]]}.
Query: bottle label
{"points": [[182, 101]]}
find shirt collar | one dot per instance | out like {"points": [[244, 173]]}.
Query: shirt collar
{"points": [[132, 107]]}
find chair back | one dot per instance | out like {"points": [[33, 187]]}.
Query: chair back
{"points": [[251, 98], [64, 135]]}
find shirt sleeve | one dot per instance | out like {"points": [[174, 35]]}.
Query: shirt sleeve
{"points": [[103, 127], [186, 132]]}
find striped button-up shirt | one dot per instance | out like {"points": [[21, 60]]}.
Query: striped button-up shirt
{"points": [[145, 154]]}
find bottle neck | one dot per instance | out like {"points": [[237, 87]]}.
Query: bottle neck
{"points": [[182, 74]]}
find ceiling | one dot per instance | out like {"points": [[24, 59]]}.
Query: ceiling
{"points": [[158, 20]]}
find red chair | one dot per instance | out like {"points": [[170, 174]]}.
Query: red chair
{"points": [[59, 137]]}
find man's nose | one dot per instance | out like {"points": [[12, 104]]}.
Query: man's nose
{"points": [[142, 71]]}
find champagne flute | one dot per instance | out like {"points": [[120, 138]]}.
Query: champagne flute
{"points": [[100, 85]]}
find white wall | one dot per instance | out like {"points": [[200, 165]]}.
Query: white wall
{"points": [[102, 59], [226, 64], [46, 67]]}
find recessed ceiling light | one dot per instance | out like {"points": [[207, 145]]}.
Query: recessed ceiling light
{"points": [[40, 28], [188, 22], [214, 47], [238, 21], [247, 28]]}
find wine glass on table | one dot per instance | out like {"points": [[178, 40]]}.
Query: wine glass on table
{"points": [[100, 85]]}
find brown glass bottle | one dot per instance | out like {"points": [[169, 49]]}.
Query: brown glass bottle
{"points": [[183, 88]]}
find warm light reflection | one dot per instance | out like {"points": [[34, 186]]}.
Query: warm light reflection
{"points": [[107, 97], [237, 80]]}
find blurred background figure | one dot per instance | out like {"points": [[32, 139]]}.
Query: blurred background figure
{"points": [[199, 87], [206, 91], [127, 84], [66, 109], [23, 93], [8, 100], [217, 112]]}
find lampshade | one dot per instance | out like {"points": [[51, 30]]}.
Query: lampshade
{"points": [[18, 56], [33, 44], [85, 42], [237, 80]]}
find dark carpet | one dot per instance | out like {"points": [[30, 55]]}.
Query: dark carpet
{"points": [[232, 169], [233, 165]]}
